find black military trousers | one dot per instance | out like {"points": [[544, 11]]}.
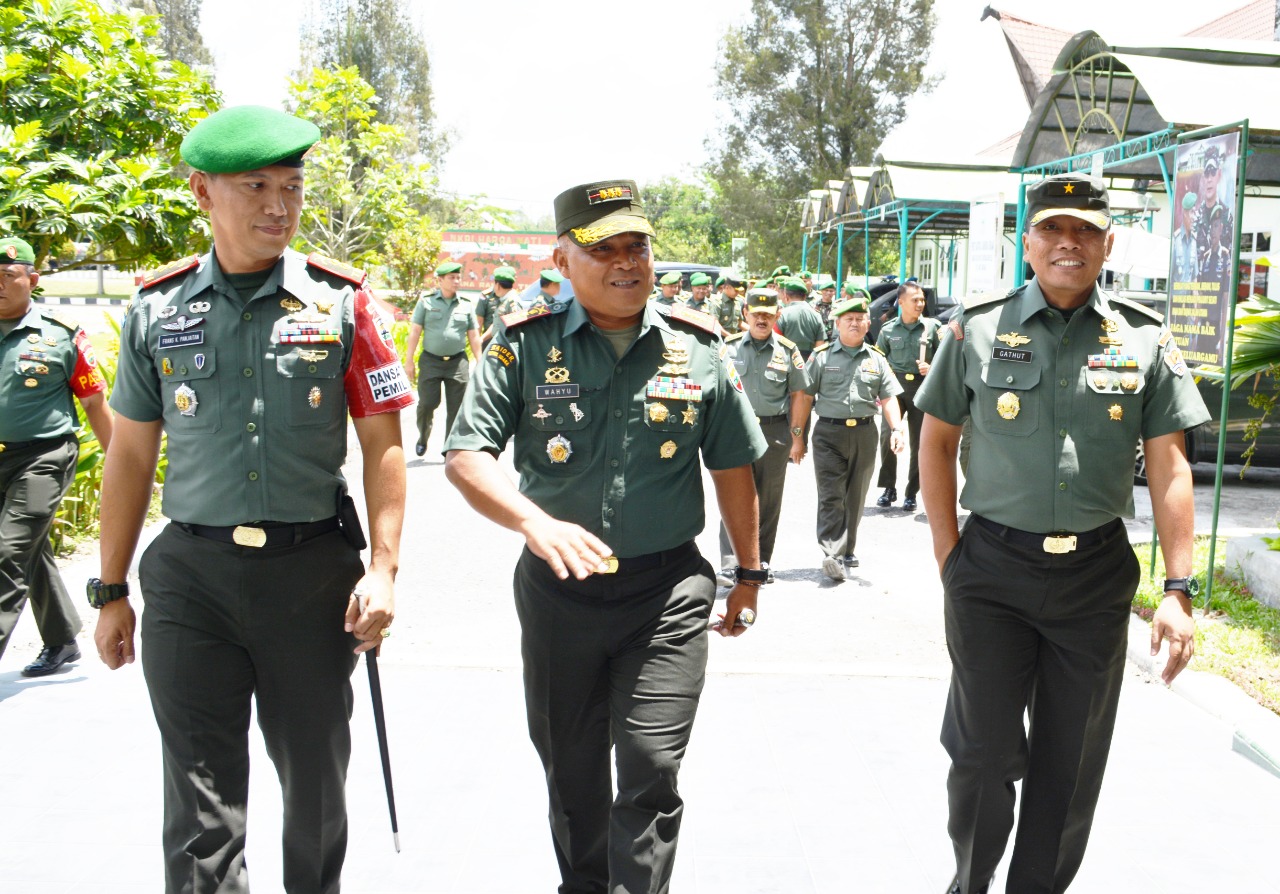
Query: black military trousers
{"points": [[770, 474], [225, 625], [843, 460], [915, 419], [435, 374], [1042, 634], [616, 661], [33, 481]]}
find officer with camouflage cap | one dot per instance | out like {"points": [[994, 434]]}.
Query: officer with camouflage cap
{"points": [[250, 359], [445, 321], [1061, 382], [613, 403], [45, 362], [847, 378], [504, 281]]}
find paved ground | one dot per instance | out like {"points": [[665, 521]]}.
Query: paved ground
{"points": [[814, 766]]}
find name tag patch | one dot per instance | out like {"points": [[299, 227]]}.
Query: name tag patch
{"points": [[181, 339], [387, 382], [553, 392], [1013, 354]]}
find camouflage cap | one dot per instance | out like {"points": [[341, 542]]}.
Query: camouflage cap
{"points": [[595, 211], [245, 138]]}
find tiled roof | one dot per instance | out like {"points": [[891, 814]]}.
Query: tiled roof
{"points": [[1034, 49], [1253, 21]]}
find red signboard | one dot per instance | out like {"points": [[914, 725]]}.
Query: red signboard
{"points": [[480, 252]]}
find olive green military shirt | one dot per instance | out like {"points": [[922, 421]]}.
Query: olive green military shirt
{"points": [[611, 444], [770, 369], [445, 322], [708, 305], [43, 363], [901, 343], [846, 382], [1054, 437], [487, 307], [729, 312], [254, 395], [802, 324]]}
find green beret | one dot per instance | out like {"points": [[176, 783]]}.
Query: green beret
{"points": [[795, 285], [448, 267], [671, 279], [803, 274], [1189, 200], [851, 305], [853, 291], [784, 270], [551, 275], [245, 138], [699, 279], [16, 251], [720, 280], [593, 212], [505, 274]]}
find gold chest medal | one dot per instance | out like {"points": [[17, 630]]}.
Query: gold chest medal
{"points": [[1008, 405]]}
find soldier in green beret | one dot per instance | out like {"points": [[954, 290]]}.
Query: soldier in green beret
{"points": [[700, 296], [445, 321], [250, 360], [549, 282], [45, 362], [669, 289], [1061, 382], [729, 301], [798, 321], [847, 378], [504, 281], [612, 402]]}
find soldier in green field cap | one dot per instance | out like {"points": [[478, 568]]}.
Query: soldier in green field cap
{"points": [[797, 320], [613, 402], [1061, 381], [250, 359], [669, 289], [45, 361], [549, 281], [504, 281], [445, 321], [700, 294]]}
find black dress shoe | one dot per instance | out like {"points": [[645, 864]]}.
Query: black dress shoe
{"points": [[909, 504], [51, 658], [419, 449], [851, 561], [886, 499]]}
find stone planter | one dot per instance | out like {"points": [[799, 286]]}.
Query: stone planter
{"points": [[1250, 560]]}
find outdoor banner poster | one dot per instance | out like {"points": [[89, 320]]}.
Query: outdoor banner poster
{"points": [[480, 252], [986, 233], [1204, 236]]}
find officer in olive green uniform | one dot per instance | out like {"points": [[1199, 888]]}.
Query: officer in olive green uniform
{"points": [[504, 280], [774, 378], [700, 295], [910, 347], [1060, 381], [669, 289], [613, 403], [445, 321], [729, 302], [798, 321], [823, 303], [44, 362], [249, 359], [846, 378]]}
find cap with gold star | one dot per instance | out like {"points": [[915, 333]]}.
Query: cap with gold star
{"points": [[762, 301], [1073, 195]]}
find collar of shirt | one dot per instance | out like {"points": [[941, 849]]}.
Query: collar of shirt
{"points": [[287, 274], [30, 320], [576, 317], [852, 352], [1033, 301], [762, 343]]}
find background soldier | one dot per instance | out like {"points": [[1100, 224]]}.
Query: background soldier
{"points": [[909, 340], [729, 302], [669, 289], [249, 359], [43, 362], [824, 302], [504, 280], [445, 321], [700, 294], [847, 377], [798, 321], [1060, 381], [613, 394], [774, 378]]}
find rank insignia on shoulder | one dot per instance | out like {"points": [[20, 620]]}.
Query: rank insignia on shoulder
{"points": [[524, 315], [703, 321], [336, 267], [169, 271]]}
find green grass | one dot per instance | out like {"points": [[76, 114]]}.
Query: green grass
{"points": [[1237, 638]]}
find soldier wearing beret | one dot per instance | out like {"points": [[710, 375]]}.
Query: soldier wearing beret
{"points": [[249, 359], [847, 378], [798, 321], [1060, 381], [669, 289], [774, 378], [700, 294], [613, 403], [824, 301], [45, 361], [729, 302], [504, 281], [445, 322]]}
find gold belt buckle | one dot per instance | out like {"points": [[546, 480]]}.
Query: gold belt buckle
{"points": [[1060, 545], [608, 566], [3, 448], [446, 358], [243, 535], [910, 377], [851, 423]]}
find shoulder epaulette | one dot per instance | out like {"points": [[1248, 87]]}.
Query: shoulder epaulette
{"points": [[703, 321], [978, 299], [1134, 305], [337, 268], [169, 271], [734, 336], [487, 293], [525, 314], [825, 347], [64, 322], [874, 348], [784, 341]]}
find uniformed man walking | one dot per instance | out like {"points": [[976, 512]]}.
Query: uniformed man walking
{"points": [[504, 281], [909, 340], [249, 359], [612, 402], [847, 377], [44, 362], [1060, 381], [774, 377], [445, 322], [729, 302], [798, 321]]}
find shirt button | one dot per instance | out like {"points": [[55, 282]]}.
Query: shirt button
{"points": [[1062, 382], [559, 420], [1009, 379], [311, 368], [1062, 432], [1066, 341], [1062, 485], [617, 414], [182, 370], [248, 372], [609, 513], [252, 426], [246, 315], [613, 463], [617, 370], [253, 476]]}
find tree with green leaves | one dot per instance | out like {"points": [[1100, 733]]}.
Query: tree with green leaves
{"points": [[812, 87], [687, 224], [179, 29], [359, 190], [91, 117]]}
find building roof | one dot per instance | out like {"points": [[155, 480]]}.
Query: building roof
{"points": [[1253, 21], [1033, 46]]}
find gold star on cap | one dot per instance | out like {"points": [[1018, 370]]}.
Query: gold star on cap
{"points": [[1068, 188]]}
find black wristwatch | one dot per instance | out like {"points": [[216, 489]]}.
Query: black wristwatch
{"points": [[100, 594], [1188, 585], [750, 575]]}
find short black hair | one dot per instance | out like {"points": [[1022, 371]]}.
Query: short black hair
{"points": [[543, 283], [908, 286]]}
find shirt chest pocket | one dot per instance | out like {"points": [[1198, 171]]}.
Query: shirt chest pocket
{"points": [[1113, 404], [310, 382], [40, 372], [561, 424], [190, 389], [1008, 404]]}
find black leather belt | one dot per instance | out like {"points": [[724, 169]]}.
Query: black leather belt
{"points": [[861, 420], [445, 357], [261, 535], [769, 420], [38, 442], [1056, 542], [648, 560]]}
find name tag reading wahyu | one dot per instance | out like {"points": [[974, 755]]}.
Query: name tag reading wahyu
{"points": [[568, 390]]}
